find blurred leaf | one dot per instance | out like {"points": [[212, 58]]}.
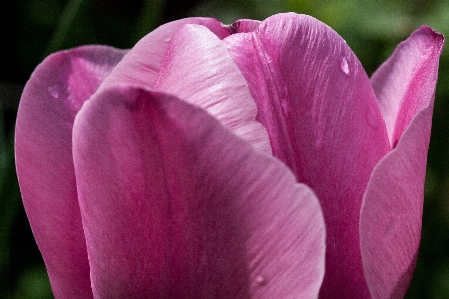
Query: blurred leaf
{"points": [[9, 205], [9, 96], [43, 12], [224, 11], [63, 26], [440, 288], [232, 10], [34, 284], [149, 19]]}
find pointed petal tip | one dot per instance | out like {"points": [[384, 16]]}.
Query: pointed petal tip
{"points": [[430, 38], [439, 37], [405, 83]]}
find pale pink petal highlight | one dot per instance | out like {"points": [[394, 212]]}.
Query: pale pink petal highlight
{"points": [[199, 69], [142, 64]]}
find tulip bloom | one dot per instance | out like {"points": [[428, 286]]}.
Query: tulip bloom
{"points": [[185, 166]]}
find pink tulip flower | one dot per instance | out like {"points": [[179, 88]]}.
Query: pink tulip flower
{"points": [[184, 167]]}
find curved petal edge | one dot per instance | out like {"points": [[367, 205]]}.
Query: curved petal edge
{"points": [[207, 215], [43, 149]]}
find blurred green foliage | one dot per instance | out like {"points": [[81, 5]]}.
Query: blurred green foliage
{"points": [[32, 29]]}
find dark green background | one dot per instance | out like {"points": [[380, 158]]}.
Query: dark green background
{"points": [[31, 29]]}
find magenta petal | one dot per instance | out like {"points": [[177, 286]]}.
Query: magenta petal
{"points": [[405, 83], [43, 148], [390, 225], [142, 64], [324, 122], [176, 206], [244, 25], [199, 69]]}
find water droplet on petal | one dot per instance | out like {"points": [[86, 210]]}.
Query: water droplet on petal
{"points": [[344, 66], [54, 91], [260, 280], [166, 39]]}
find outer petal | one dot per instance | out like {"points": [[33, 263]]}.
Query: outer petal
{"points": [[199, 69], [174, 205], [390, 225], [324, 122], [142, 64], [405, 83], [43, 148]]}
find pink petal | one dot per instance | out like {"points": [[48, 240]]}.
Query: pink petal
{"points": [[244, 25], [52, 97], [142, 64], [405, 83], [199, 69], [390, 225], [174, 205], [324, 122]]}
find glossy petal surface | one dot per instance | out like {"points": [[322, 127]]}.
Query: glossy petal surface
{"points": [[324, 122], [43, 148], [142, 64], [390, 226], [199, 69], [201, 213]]}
